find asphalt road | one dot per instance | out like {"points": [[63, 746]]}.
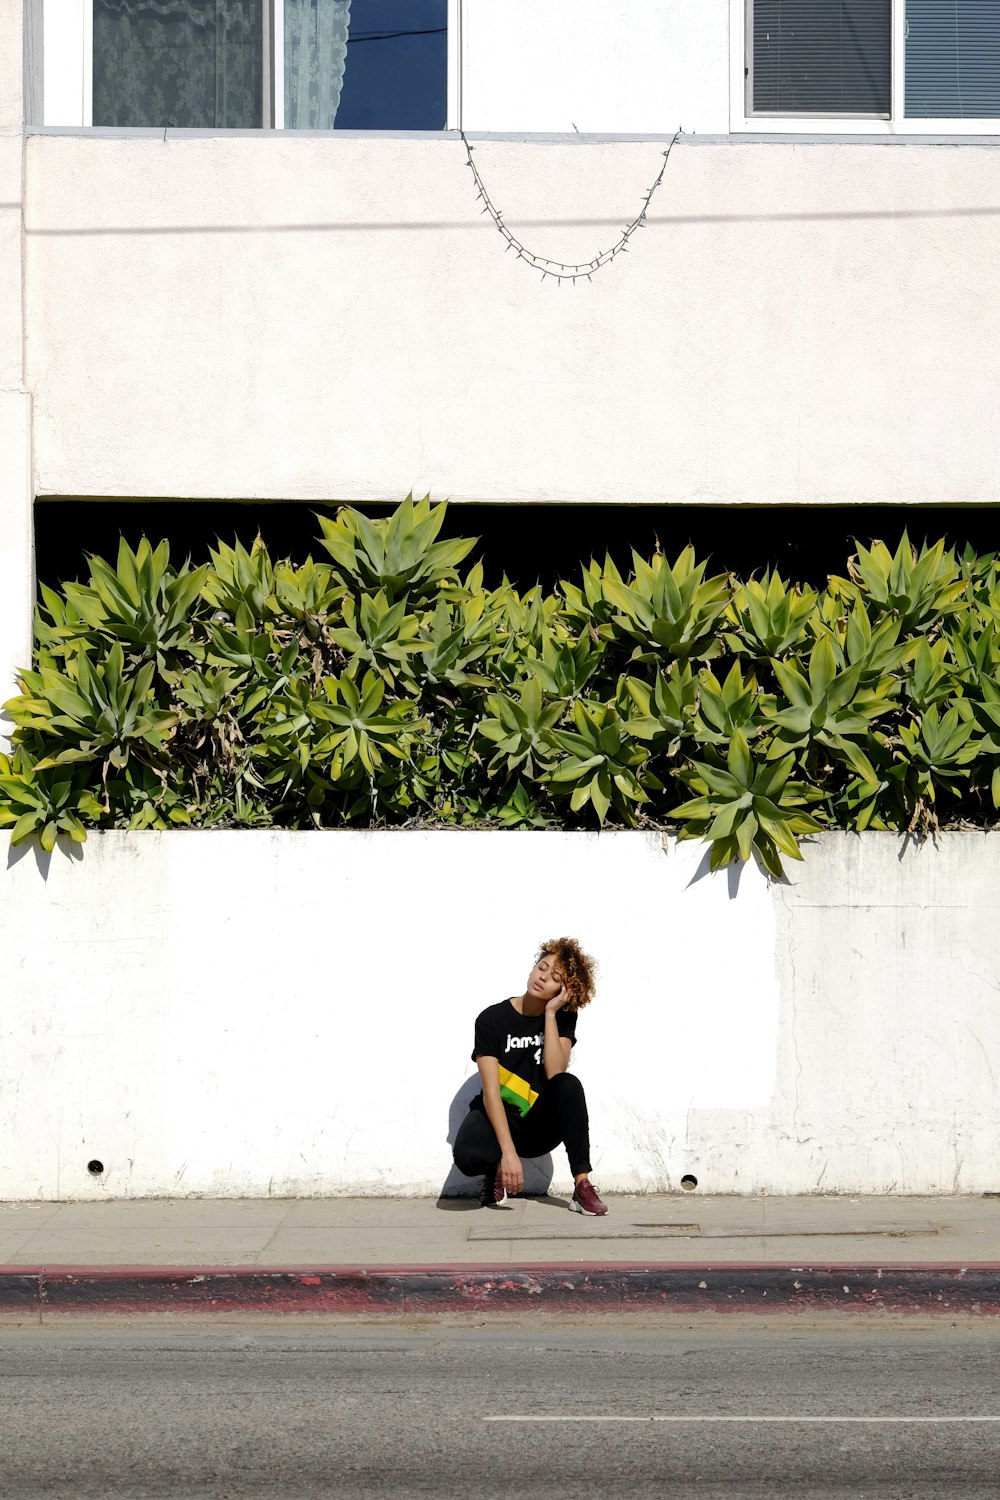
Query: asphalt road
{"points": [[294, 1410]]}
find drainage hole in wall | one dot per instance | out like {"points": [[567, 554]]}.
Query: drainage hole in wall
{"points": [[689, 1183], [95, 1167]]}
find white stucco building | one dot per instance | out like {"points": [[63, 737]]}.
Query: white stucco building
{"points": [[810, 316], [265, 307]]}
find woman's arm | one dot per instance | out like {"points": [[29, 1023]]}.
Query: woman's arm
{"points": [[555, 1052], [511, 1171]]}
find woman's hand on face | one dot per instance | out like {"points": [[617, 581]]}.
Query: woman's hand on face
{"points": [[512, 1173], [557, 1002]]}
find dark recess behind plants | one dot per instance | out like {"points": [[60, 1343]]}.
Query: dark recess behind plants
{"points": [[529, 543]]}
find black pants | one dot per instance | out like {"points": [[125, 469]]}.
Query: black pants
{"points": [[558, 1114]]}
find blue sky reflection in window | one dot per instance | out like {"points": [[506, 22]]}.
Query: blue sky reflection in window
{"points": [[396, 76]]}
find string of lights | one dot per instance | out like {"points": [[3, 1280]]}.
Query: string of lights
{"points": [[561, 270]]}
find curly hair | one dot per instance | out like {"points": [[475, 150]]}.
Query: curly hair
{"points": [[578, 969]]}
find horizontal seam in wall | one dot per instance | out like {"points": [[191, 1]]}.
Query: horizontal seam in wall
{"points": [[866, 906], [526, 138]]}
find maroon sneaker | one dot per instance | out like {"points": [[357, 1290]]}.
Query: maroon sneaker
{"points": [[494, 1192], [585, 1199]]}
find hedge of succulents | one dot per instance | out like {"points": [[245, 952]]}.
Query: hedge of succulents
{"points": [[380, 685]]}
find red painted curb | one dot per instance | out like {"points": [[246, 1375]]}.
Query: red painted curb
{"points": [[407, 1291]]}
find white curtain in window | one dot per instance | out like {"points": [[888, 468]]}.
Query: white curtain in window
{"points": [[192, 63], [315, 58]]}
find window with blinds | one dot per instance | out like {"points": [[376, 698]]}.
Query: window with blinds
{"points": [[821, 57], [953, 59]]}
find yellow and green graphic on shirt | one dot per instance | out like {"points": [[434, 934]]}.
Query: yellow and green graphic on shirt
{"points": [[515, 1091]]}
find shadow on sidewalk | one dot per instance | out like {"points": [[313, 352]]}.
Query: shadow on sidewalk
{"points": [[460, 1193]]}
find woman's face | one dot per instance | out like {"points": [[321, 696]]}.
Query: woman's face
{"points": [[545, 979]]}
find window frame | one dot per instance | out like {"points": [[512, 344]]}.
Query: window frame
{"points": [[743, 121], [68, 76]]}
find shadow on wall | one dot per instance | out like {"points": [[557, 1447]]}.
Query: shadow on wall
{"points": [[65, 848], [537, 1171], [734, 873]]}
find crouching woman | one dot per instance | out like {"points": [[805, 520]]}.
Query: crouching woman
{"points": [[529, 1103]]}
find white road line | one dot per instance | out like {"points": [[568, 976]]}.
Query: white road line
{"points": [[914, 1421]]}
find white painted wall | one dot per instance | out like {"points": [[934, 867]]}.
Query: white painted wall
{"points": [[609, 66], [229, 1013], [333, 318]]}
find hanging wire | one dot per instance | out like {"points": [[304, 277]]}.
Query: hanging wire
{"points": [[561, 270]]}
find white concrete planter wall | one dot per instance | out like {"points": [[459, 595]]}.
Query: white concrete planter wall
{"points": [[230, 1013]]}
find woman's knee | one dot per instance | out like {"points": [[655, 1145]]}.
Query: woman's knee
{"points": [[468, 1163], [566, 1084], [476, 1149]]}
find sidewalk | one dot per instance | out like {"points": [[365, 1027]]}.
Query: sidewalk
{"points": [[404, 1256]]}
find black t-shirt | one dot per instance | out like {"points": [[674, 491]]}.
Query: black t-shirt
{"points": [[516, 1042]]}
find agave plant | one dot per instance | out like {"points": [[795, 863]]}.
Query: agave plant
{"points": [[216, 711], [317, 741], [396, 556], [586, 605], [867, 799], [90, 712], [727, 707], [310, 594], [524, 622], [744, 806], [521, 729], [875, 650], [917, 588], [566, 666], [380, 637], [824, 706], [985, 711], [142, 606], [454, 641], [931, 680], [937, 751], [974, 643], [666, 709], [769, 616], [361, 724], [668, 612], [241, 583], [45, 803], [603, 764]]}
